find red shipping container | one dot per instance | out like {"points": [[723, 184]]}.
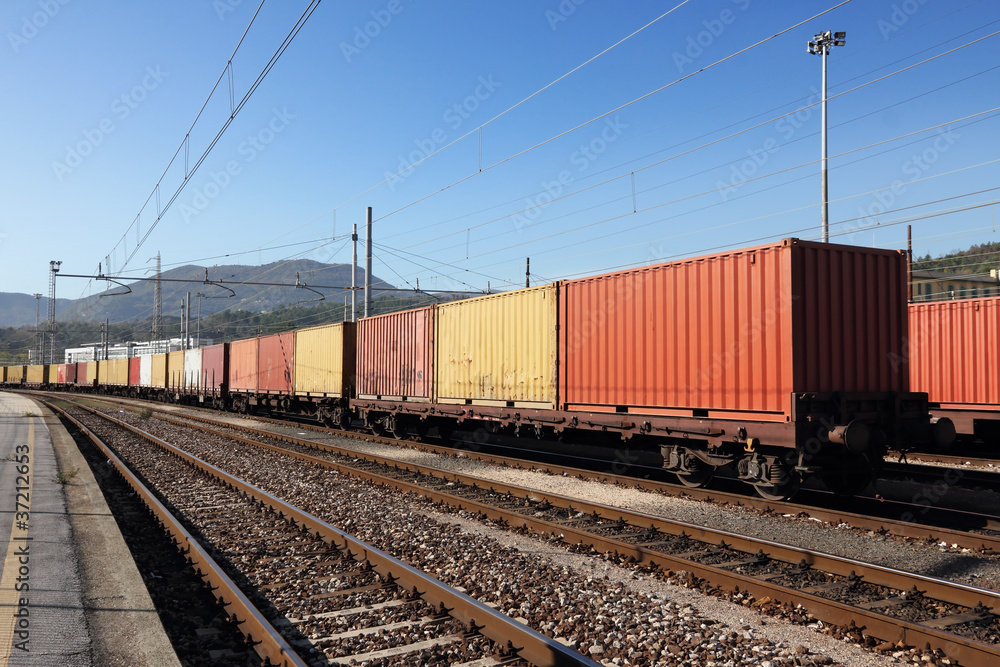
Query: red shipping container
{"points": [[214, 371], [243, 365], [955, 351], [274, 363], [395, 357], [66, 374], [81, 373], [737, 332], [133, 371]]}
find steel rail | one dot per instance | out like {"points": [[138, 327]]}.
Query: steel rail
{"points": [[968, 651], [909, 529], [526, 643], [267, 642]]}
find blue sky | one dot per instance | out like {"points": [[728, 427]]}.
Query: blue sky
{"points": [[99, 96]]}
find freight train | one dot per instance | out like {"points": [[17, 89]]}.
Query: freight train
{"points": [[782, 361]]}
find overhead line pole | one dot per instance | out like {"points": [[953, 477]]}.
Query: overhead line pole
{"points": [[354, 276], [368, 261]]}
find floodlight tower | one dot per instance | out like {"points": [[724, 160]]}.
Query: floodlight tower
{"points": [[820, 46], [53, 272]]}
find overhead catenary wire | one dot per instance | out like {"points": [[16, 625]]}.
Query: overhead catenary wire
{"points": [[235, 110]]}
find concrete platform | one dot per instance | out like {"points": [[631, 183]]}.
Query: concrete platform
{"points": [[70, 594]]}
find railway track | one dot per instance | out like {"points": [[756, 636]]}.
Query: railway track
{"points": [[890, 604], [306, 593], [921, 518]]}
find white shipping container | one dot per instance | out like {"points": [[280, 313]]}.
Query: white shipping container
{"points": [[146, 370], [192, 369]]}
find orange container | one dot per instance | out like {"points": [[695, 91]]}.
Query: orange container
{"points": [[243, 365], [395, 357], [274, 363], [736, 332], [954, 353]]}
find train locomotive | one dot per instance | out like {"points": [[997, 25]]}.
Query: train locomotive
{"points": [[781, 361]]}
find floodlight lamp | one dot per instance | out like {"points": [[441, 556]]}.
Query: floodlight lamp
{"points": [[839, 35]]}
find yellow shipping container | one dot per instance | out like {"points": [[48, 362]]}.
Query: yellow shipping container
{"points": [[499, 349], [53, 373], [175, 369], [92, 372], [15, 374], [159, 371], [324, 359], [37, 374], [114, 372]]}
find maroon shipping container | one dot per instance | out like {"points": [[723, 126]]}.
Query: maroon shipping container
{"points": [[214, 370], [81, 373], [274, 363], [955, 351], [133, 371], [395, 358], [66, 374], [243, 365], [737, 333]]}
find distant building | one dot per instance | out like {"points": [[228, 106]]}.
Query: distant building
{"points": [[95, 351], [930, 285]]}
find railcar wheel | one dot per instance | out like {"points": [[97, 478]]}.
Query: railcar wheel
{"points": [[778, 492], [850, 478], [696, 479]]}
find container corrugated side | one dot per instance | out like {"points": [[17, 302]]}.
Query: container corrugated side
{"points": [[735, 332], [146, 370], [275, 363], [158, 371], [396, 355], [850, 318], [213, 367], [66, 374], [35, 374], [243, 365], [175, 370], [114, 372], [88, 371], [955, 351], [134, 371], [324, 360], [17, 374], [192, 370], [498, 349]]}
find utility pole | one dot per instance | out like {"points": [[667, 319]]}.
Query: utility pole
{"points": [[183, 337], [107, 337], [53, 272], [354, 277], [187, 323], [820, 46], [527, 272], [38, 334], [200, 298], [368, 263]]}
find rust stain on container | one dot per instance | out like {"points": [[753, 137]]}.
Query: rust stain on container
{"points": [[395, 355], [243, 365], [324, 360], [498, 349], [735, 332], [955, 350], [275, 361]]}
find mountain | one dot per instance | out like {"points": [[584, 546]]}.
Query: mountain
{"points": [[977, 259], [19, 309], [223, 290]]}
